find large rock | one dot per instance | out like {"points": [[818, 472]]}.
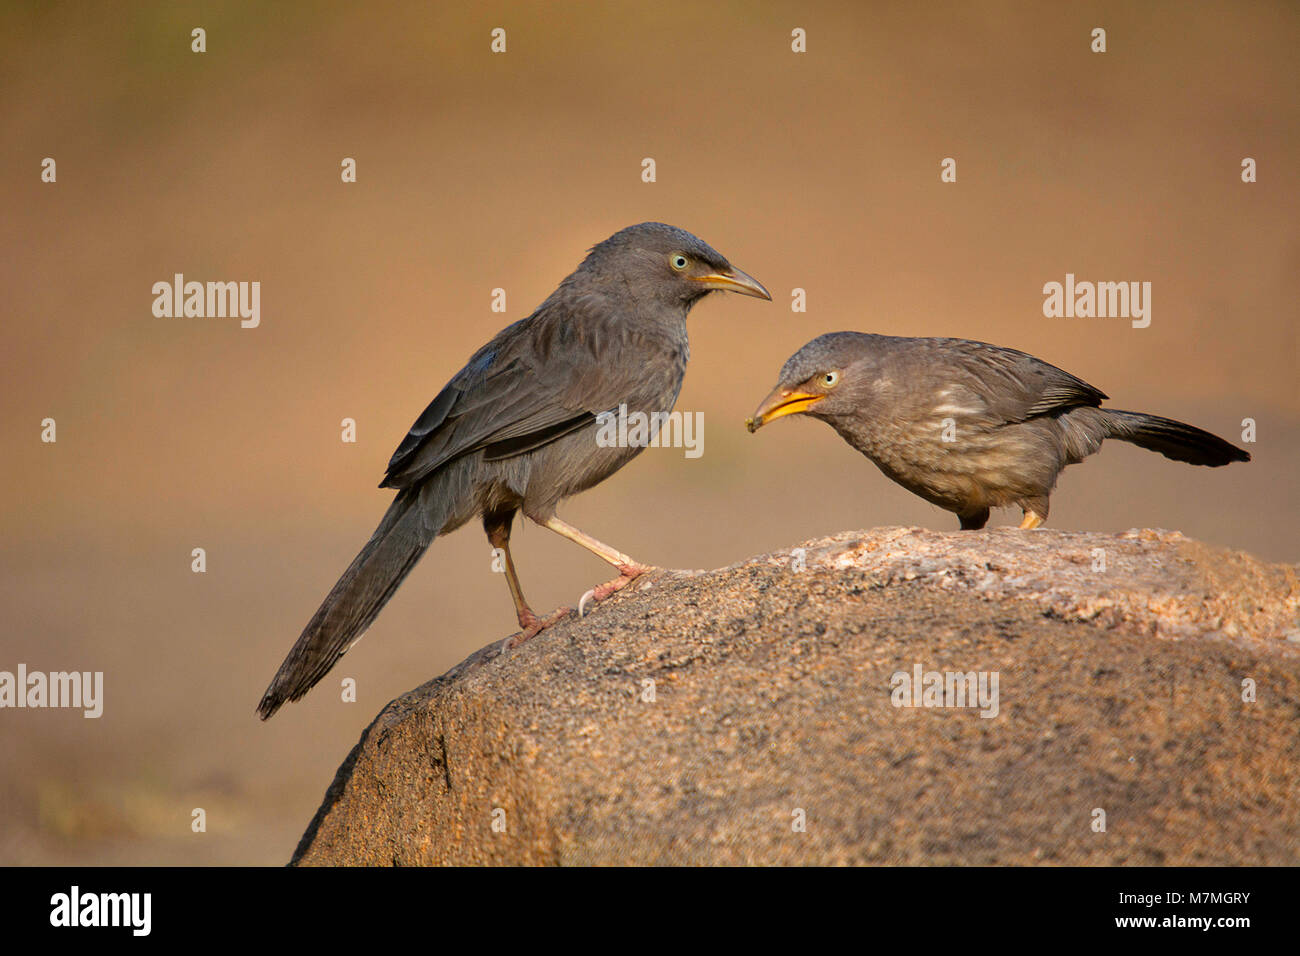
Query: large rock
{"points": [[700, 717]]}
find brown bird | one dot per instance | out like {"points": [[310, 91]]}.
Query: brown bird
{"points": [[515, 430], [966, 425]]}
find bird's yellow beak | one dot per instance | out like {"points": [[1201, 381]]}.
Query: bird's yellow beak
{"points": [[782, 402], [733, 280]]}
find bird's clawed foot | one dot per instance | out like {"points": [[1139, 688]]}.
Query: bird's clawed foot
{"points": [[532, 625], [1032, 520], [627, 574]]}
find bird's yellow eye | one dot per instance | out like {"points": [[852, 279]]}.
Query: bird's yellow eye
{"points": [[831, 379], [677, 261]]}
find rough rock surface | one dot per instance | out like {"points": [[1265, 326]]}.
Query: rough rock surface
{"points": [[704, 716]]}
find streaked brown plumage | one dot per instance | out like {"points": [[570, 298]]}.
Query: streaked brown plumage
{"points": [[966, 425]]}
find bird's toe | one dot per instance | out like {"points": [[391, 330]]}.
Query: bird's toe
{"points": [[627, 574], [534, 625]]}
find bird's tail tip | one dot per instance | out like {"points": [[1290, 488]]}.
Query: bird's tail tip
{"points": [[1174, 439], [352, 604]]}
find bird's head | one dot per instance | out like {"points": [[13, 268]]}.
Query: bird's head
{"points": [[830, 376], [657, 262]]}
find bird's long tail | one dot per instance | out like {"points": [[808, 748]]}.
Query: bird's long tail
{"points": [[1175, 440], [350, 607]]}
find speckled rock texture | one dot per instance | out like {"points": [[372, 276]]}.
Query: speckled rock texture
{"points": [[748, 716]]}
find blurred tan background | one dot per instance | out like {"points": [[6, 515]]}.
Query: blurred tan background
{"points": [[476, 170]]}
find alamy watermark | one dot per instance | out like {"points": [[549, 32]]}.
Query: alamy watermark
{"points": [[83, 690], [624, 429], [129, 910], [210, 300], [1102, 300], [922, 688]]}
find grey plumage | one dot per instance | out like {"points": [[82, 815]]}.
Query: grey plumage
{"points": [[967, 425], [515, 429]]}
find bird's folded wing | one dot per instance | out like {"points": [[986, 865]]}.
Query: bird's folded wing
{"points": [[505, 407], [1013, 386]]}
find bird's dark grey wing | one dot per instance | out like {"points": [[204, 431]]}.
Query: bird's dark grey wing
{"points": [[513, 412], [531, 437], [532, 384], [1012, 386], [476, 371]]}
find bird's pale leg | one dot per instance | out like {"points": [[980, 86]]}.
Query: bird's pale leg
{"points": [[1031, 520], [628, 569], [530, 624]]}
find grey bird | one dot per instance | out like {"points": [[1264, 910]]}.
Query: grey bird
{"points": [[966, 425], [516, 429]]}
